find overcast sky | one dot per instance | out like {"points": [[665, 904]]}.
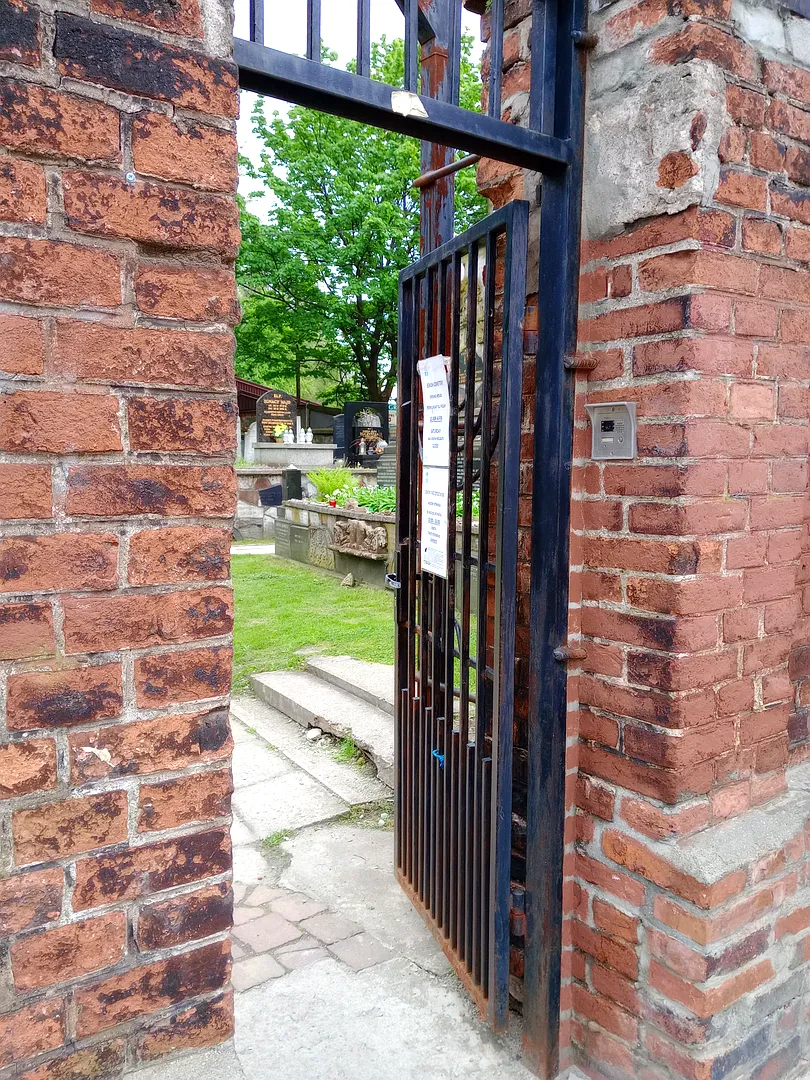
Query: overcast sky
{"points": [[285, 22]]}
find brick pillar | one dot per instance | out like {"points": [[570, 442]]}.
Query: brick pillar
{"points": [[690, 889], [118, 229]]}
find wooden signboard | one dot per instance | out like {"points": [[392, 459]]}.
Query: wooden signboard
{"points": [[272, 409]]}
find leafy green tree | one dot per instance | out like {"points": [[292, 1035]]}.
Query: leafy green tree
{"points": [[318, 278]]}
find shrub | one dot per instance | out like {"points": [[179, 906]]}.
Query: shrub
{"points": [[329, 481]]}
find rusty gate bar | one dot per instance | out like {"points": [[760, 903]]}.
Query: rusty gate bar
{"points": [[454, 778]]}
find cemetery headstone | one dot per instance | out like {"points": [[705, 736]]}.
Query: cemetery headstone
{"points": [[291, 482], [273, 409], [387, 464]]}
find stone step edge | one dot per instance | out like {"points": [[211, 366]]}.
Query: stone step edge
{"points": [[349, 687], [307, 717]]}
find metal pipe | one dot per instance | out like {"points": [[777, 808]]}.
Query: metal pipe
{"points": [[446, 170]]}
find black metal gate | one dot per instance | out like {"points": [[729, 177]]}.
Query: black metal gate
{"points": [[455, 658], [453, 837]]}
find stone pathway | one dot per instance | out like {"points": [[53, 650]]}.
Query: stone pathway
{"points": [[336, 976]]}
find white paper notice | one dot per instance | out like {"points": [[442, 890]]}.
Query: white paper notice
{"points": [[435, 514], [436, 417]]}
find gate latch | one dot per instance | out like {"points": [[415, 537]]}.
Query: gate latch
{"points": [[392, 582]]}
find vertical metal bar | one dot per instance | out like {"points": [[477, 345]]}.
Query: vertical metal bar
{"points": [[543, 86], [510, 410], [412, 435], [439, 624], [553, 426], [454, 741], [454, 50], [364, 38], [412, 45], [257, 21], [495, 59], [314, 30], [483, 708]]}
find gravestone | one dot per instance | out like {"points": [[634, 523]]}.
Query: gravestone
{"points": [[291, 483], [387, 464], [272, 409], [299, 543], [282, 534]]}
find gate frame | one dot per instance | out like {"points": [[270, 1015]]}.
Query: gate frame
{"points": [[552, 145]]}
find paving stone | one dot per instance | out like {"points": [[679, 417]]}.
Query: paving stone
{"points": [[296, 906], [303, 957], [304, 942], [290, 801], [361, 951], [241, 835], [329, 927], [263, 894], [254, 762], [238, 950], [249, 865], [239, 893], [257, 969], [266, 933], [242, 915]]}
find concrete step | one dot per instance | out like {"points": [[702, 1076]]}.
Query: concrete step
{"points": [[373, 683], [311, 702], [355, 786]]}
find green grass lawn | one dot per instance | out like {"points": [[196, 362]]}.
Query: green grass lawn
{"points": [[281, 607]]}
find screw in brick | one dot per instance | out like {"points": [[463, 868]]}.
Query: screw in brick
{"points": [[130, 177]]}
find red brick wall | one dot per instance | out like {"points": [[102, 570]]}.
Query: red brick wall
{"points": [[688, 584], [118, 229]]}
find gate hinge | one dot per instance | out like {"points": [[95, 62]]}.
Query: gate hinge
{"points": [[581, 362], [566, 653], [583, 40]]}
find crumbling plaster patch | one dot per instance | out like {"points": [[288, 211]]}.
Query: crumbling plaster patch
{"points": [[676, 113]]}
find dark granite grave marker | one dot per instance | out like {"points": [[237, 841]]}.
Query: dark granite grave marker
{"points": [[387, 464], [272, 409], [282, 534]]}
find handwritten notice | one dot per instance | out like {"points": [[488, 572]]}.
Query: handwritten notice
{"points": [[436, 412], [435, 515]]}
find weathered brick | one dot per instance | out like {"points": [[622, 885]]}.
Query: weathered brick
{"points": [[144, 66], [68, 952], [139, 621], [635, 322], [22, 189], [151, 489], [791, 203], [190, 675], [51, 272], [28, 901], [27, 766], [179, 17], [199, 293], [702, 41], [54, 699], [144, 746], [792, 81], [31, 1030], [184, 150], [39, 120], [153, 987], [190, 426], [21, 347], [25, 491], [154, 214], [631, 853], [707, 1002], [186, 918], [201, 797], [144, 357], [205, 1024], [607, 950], [26, 630], [54, 423], [141, 871], [182, 553], [56, 830], [737, 188], [58, 562], [19, 33], [95, 1061]]}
